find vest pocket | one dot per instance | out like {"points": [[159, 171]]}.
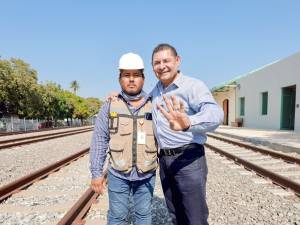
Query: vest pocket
{"points": [[125, 126], [118, 159], [149, 156], [150, 146]]}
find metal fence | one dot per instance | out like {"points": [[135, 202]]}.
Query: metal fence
{"points": [[14, 124]]}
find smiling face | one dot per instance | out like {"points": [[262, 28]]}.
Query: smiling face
{"points": [[165, 66], [131, 81]]}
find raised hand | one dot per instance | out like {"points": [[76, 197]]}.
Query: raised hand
{"points": [[176, 116]]}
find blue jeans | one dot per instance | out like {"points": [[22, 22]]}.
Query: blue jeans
{"points": [[119, 192]]}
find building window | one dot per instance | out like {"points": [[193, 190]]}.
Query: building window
{"points": [[242, 106], [264, 103]]}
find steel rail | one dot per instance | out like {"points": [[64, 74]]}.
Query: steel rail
{"points": [[4, 146], [42, 135], [276, 178], [259, 149], [9, 133], [79, 209], [9, 189]]}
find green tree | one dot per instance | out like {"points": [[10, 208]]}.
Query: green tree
{"points": [[54, 103], [93, 105], [19, 90], [74, 86], [70, 99], [21, 94], [5, 85], [81, 109]]}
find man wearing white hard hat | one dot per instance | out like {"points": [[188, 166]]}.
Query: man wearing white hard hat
{"points": [[123, 130]]}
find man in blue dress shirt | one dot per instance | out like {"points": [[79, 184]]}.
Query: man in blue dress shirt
{"points": [[183, 111]]}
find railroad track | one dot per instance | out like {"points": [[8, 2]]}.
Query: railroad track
{"points": [[37, 138], [78, 211], [60, 194], [47, 193], [281, 169], [75, 203], [242, 153], [92, 209], [23, 182], [3, 134]]}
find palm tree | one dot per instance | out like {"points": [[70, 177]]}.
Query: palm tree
{"points": [[74, 86]]}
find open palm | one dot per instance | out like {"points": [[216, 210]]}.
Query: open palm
{"points": [[176, 116]]}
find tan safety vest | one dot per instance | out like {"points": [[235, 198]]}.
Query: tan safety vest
{"points": [[125, 147]]}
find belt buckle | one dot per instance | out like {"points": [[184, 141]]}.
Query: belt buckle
{"points": [[168, 152]]}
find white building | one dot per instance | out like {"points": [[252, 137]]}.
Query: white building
{"points": [[266, 98]]}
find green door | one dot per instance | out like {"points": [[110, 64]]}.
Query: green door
{"points": [[288, 108]]}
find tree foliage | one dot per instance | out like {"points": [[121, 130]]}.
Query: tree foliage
{"points": [[93, 105], [22, 95], [74, 86], [18, 88]]}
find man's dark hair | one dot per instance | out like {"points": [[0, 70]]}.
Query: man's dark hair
{"points": [[164, 46]]}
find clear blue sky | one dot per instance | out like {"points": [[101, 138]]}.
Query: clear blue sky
{"points": [[83, 40]]}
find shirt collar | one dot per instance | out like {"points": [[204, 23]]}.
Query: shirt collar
{"points": [[177, 82]]}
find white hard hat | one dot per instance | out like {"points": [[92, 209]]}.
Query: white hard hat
{"points": [[131, 61]]}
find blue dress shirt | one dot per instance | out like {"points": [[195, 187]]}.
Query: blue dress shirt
{"points": [[203, 112]]}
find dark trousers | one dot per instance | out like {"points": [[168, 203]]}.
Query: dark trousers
{"points": [[183, 178]]}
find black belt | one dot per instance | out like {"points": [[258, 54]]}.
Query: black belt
{"points": [[175, 151]]}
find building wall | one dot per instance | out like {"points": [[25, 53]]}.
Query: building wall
{"points": [[230, 95], [271, 79]]}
